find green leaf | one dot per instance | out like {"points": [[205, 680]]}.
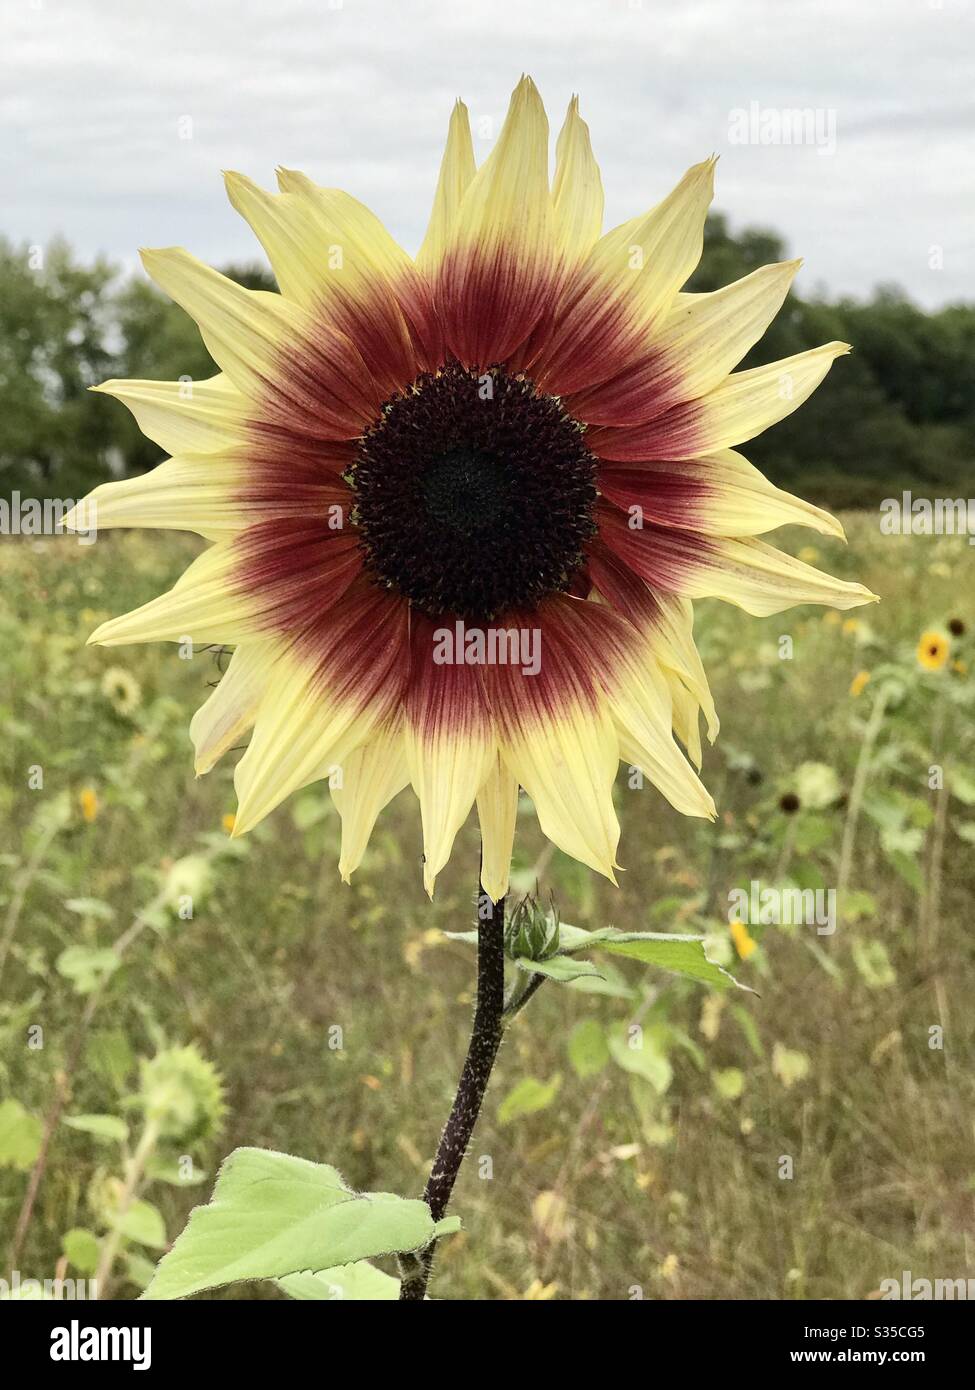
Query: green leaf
{"points": [[588, 1048], [20, 1136], [272, 1215], [562, 968], [527, 1098], [91, 907], [360, 1282], [108, 1127], [641, 1055], [82, 1249], [138, 1268], [612, 983], [143, 1223], [681, 955], [87, 966]]}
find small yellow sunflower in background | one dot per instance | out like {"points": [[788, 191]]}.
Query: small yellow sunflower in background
{"points": [[121, 689], [859, 683], [745, 943], [519, 442], [933, 650], [88, 804]]}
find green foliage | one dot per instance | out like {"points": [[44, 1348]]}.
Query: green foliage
{"points": [[673, 1188], [527, 1097], [273, 1215], [20, 1135], [357, 1282]]}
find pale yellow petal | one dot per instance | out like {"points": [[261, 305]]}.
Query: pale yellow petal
{"points": [[705, 336], [305, 373], [229, 713], [762, 580], [495, 279], [497, 809], [577, 191], [324, 702], [367, 780], [747, 403], [457, 169], [205, 605], [192, 493], [184, 416]]}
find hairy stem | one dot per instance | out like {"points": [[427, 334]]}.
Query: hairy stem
{"points": [[135, 1170], [481, 1053]]}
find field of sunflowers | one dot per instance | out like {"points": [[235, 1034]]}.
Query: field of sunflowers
{"points": [[169, 993]]}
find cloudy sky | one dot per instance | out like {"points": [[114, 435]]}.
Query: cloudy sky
{"points": [[116, 117]]}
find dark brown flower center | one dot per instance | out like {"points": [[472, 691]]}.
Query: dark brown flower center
{"points": [[474, 494]]}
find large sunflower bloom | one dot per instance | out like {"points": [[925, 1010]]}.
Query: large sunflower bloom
{"points": [[526, 430]]}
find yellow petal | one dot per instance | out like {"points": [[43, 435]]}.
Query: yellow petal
{"points": [[577, 191], [557, 735], [369, 779], [230, 711], [706, 335], [685, 716], [762, 580], [457, 169], [371, 285], [496, 275], [193, 493], [319, 708], [449, 742], [245, 331], [702, 338], [297, 249], [184, 416], [639, 697], [749, 402], [205, 605], [306, 374], [664, 620], [624, 288], [720, 494], [497, 809]]}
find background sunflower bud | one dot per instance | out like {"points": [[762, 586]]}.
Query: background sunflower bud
{"points": [[182, 1093]]}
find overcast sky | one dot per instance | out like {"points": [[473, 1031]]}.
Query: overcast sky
{"points": [[94, 96]]}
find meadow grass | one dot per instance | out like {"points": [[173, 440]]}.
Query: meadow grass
{"points": [[804, 1142]]}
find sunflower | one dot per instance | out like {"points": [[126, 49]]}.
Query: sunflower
{"points": [[121, 689], [932, 650], [460, 505]]}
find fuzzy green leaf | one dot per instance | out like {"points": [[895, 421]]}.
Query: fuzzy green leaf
{"points": [[273, 1215], [360, 1282]]}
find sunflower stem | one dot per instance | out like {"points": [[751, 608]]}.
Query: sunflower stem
{"points": [[482, 1050]]}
